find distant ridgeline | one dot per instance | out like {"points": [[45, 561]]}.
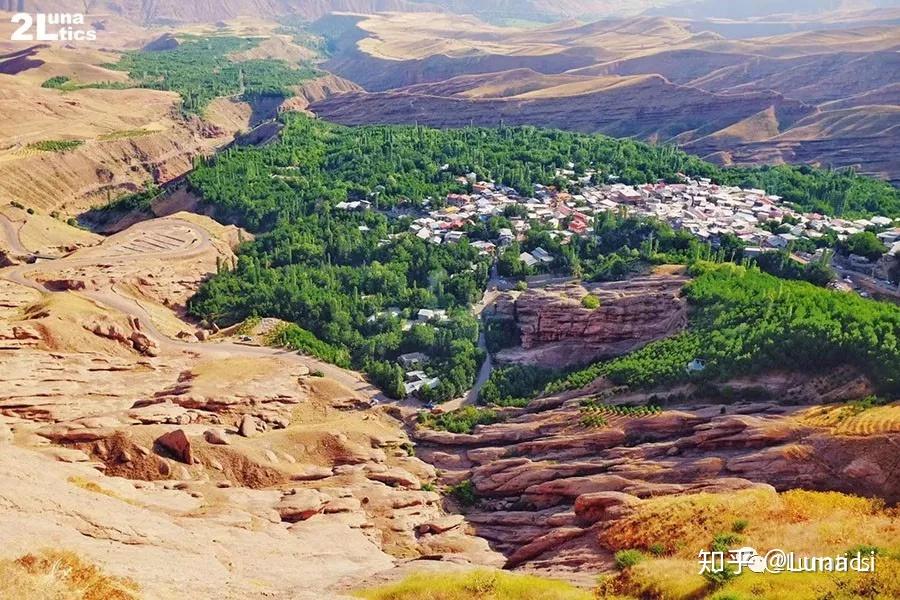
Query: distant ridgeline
{"points": [[335, 272], [202, 69]]}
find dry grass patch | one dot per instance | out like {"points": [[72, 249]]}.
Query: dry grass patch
{"points": [[61, 575], [796, 520], [476, 585], [849, 420], [884, 584], [92, 486], [662, 578], [676, 528]]}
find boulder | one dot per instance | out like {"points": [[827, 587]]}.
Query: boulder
{"points": [[178, 444], [396, 477], [214, 436], [311, 473], [75, 434], [249, 426], [300, 505], [441, 524], [22, 333]]}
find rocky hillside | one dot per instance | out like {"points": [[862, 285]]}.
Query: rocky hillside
{"points": [[132, 438], [552, 480], [169, 11]]}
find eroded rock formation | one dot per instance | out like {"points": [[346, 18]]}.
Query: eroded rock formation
{"points": [[558, 332]]}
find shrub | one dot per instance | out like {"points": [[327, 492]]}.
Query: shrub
{"points": [[657, 549], [865, 550], [248, 325], [140, 203], [295, 337], [463, 420], [55, 145], [594, 420], [723, 542], [739, 525], [627, 558], [864, 244], [590, 301], [464, 493], [515, 385], [500, 334], [717, 579], [56, 82]]}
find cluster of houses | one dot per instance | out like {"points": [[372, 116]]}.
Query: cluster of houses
{"points": [[705, 209], [415, 379], [709, 211], [422, 315], [487, 199]]}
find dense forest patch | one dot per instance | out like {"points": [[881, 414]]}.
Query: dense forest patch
{"points": [[200, 70]]}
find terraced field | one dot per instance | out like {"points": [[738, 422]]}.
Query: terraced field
{"points": [[844, 420]]}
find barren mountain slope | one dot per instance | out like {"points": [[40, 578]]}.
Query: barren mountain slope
{"points": [[119, 150], [207, 11], [133, 443], [618, 110], [120, 139], [732, 101]]}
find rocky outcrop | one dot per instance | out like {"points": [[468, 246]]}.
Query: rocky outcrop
{"points": [[557, 331], [546, 482], [135, 451]]}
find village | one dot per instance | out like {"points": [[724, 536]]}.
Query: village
{"points": [[706, 210], [762, 221]]}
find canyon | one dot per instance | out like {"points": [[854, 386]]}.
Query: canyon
{"points": [[185, 457]]}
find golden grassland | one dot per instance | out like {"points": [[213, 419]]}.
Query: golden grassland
{"points": [[476, 585], [60, 575], [850, 420], [670, 532]]}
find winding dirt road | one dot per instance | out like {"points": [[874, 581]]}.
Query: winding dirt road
{"points": [[160, 239], [10, 233]]}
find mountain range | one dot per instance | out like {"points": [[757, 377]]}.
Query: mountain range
{"points": [[167, 11], [826, 96]]}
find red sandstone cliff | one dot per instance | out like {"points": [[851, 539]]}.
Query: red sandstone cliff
{"points": [[557, 331]]}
